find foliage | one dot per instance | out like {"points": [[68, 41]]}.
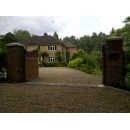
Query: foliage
{"points": [[58, 54], [9, 38], [97, 72], [56, 35], [42, 53], [45, 64], [67, 56], [87, 62], [91, 60], [128, 72], [79, 54], [21, 34], [88, 43], [75, 63], [98, 57], [3, 57]]}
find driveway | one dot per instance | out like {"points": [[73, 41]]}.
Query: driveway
{"points": [[66, 75]]}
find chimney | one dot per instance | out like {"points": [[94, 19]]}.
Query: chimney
{"points": [[45, 34]]}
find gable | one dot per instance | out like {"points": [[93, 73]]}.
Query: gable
{"points": [[69, 44]]}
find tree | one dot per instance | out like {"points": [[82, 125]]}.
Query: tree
{"points": [[3, 57], [85, 44], [21, 34], [56, 35], [127, 20], [112, 32], [9, 38]]}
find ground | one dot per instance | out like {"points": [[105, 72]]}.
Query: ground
{"points": [[39, 98], [66, 75]]}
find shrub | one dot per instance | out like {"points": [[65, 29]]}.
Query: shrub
{"points": [[128, 72], [42, 63], [83, 67], [76, 63], [91, 61], [3, 57], [45, 64], [79, 54]]}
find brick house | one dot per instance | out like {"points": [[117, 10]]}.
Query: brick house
{"points": [[50, 45]]}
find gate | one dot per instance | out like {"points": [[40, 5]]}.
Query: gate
{"points": [[22, 65]]}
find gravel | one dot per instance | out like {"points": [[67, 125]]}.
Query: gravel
{"points": [[70, 93]]}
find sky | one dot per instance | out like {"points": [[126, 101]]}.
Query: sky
{"points": [[66, 17], [64, 25]]}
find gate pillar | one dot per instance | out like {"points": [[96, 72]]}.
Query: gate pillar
{"points": [[15, 62], [113, 61]]}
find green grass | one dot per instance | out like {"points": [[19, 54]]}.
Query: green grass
{"points": [[97, 72]]}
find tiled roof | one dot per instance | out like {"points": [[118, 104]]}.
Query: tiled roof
{"points": [[40, 40], [69, 44]]}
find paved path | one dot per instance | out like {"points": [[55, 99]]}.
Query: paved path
{"points": [[65, 75]]}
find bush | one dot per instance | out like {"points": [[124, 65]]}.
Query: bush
{"points": [[45, 64], [79, 54], [3, 57], [128, 72], [91, 61], [83, 67], [76, 63], [42, 63]]}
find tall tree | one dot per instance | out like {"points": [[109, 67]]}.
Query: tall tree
{"points": [[56, 35], [21, 34], [112, 32], [9, 38]]}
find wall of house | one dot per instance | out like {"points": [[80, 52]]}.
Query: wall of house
{"points": [[72, 50], [31, 47], [51, 53]]}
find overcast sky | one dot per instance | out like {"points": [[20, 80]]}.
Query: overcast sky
{"points": [[66, 17], [63, 25]]}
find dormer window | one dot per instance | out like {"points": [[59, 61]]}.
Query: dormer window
{"points": [[51, 47]]}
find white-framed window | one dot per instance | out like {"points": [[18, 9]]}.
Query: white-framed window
{"points": [[51, 59], [51, 47], [39, 58]]}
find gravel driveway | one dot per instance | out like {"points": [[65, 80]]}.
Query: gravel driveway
{"points": [[66, 75], [28, 98]]}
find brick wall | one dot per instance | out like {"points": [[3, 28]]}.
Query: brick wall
{"points": [[113, 61], [15, 62], [72, 50]]}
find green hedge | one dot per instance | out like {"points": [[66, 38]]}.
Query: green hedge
{"points": [[53, 64]]}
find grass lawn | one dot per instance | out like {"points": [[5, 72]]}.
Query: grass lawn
{"points": [[97, 72]]}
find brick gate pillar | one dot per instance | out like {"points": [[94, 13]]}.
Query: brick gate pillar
{"points": [[15, 62], [113, 61]]}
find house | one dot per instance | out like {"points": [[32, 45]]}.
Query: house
{"points": [[70, 47], [49, 44]]}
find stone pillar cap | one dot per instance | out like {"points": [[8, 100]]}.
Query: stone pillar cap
{"points": [[15, 44], [114, 38]]}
